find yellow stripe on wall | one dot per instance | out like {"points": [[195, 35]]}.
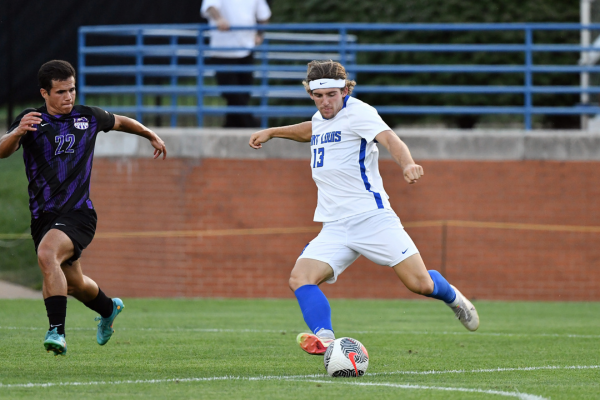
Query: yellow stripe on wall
{"points": [[314, 229]]}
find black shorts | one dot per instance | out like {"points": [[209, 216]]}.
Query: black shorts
{"points": [[78, 225]]}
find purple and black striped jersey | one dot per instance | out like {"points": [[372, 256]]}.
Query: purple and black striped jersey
{"points": [[58, 158]]}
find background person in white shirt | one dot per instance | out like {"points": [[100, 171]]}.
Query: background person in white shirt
{"points": [[224, 14], [352, 203]]}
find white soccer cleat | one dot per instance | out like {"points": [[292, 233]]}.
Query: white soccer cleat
{"points": [[465, 311]]}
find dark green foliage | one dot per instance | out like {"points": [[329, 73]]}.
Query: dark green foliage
{"points": [[18, 262], [451, 11]]}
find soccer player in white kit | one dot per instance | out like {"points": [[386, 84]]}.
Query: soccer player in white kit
{"points": [[352, 204]]}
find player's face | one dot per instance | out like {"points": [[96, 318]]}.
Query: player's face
{"points": [[329, 101], [61, 98]]}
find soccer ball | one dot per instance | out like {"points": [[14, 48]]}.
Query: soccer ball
{"points": [[346, 357]]}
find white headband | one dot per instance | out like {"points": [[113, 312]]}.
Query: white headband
{"points": [[327, 84]]}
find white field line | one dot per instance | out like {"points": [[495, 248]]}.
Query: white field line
{"points": [[279, 331], [518, 395], [500, 334], [484, 370], [154, 381], [290, 377]]}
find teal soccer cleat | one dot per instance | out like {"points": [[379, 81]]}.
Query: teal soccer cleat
{"points": [[105, 329], [55, 342]]}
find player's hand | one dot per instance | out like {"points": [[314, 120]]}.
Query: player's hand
{"points": [[223, 24], [258, 39], [27, 123], [412, 173], [159, 147], [258, 138]]}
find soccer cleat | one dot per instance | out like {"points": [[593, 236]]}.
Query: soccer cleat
{"points": [[105, 329], [312, 344], [55, 342], [465, 311]]}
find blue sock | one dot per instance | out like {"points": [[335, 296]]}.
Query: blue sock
{"points": [[315, 307], [441, 288]]}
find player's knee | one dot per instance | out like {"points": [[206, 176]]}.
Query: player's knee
{"points": [[426, 286], [47, 259], [421, 286], [297, 280], [293, 283]]}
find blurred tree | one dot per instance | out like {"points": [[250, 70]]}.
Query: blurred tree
{"points": [[451, 11]]}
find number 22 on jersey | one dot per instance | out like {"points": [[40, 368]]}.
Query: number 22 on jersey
{"points": [[68, 139], [318, 157]]}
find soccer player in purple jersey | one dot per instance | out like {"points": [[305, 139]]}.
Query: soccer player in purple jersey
{"points": [[58, 149]]}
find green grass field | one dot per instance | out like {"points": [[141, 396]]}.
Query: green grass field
{"points": [[246, 349]]}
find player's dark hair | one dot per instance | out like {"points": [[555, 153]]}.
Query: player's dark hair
{"points": [[55, 70], [326, 69]]}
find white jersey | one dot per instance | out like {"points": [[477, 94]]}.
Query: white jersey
{"points": [[344, 162], [237, 13]]}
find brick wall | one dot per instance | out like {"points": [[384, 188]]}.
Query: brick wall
{"points": [[135, 194]]}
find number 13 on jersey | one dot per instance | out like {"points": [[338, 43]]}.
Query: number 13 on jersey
{"points": [[318, 157]]}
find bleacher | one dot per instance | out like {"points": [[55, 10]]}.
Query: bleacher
{"points": [[175, 56]]}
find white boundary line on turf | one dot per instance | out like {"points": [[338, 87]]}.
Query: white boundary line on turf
{"points": [[283, 377], [484, 370], [518, 395], [219, 330], [152, 381]]}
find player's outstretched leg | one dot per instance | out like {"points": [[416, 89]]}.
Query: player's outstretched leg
{"points": [[431, 283], [317, 315], [105, 326], [84, 289], [305, 277], [463, 309]]}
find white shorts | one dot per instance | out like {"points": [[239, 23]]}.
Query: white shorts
{"points": [[377, 235]]}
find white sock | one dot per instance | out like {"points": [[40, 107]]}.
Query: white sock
{"points": [[325, 334], [455, 302]]}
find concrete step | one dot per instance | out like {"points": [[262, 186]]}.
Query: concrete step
{"points": [[10, 290]]}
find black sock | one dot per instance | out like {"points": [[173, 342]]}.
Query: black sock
{"points": [[56, 308], [102, 304]]}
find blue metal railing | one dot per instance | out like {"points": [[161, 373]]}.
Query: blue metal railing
{"points": [[183, 55]]}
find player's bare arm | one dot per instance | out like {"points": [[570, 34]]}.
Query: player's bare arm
{"points": [[222, 23], [400, 153], [9, 143], [260, 35], [301, 132], [129, 125]]}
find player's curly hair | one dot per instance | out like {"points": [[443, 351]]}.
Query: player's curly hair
{"points": [[326, 69], [55, 70]]}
